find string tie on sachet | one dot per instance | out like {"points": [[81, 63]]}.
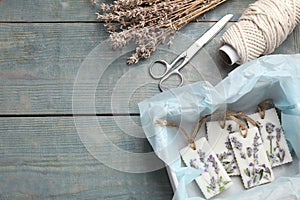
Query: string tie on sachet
{"points": [[190, 138], [243, 128], [262, 107]]}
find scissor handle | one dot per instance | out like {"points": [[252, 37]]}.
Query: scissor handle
{"points": [[173, 73], [165, 64]]}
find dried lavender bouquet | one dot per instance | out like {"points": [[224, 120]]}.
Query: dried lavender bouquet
{"points": [[149, 22]]}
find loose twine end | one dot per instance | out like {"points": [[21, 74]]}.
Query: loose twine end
{"points": [[261, 107], [190, 139], [244, 128], [192, 144], [162, 123], [242, 125], [165, 123]]}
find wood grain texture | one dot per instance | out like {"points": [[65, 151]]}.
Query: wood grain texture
{"points": [[45, 158], [39, 64], [83, 10], [47, 10]]}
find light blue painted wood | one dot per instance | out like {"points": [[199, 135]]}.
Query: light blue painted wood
{"points": [[83, 10], [43, 158]]}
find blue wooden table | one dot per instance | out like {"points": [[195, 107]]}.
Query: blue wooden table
{"points": [[43, 45]]}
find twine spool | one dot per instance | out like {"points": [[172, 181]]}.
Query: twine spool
{"points": [[263, 26]]}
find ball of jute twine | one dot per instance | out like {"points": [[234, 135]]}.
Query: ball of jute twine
{"points": [[263, 26]]}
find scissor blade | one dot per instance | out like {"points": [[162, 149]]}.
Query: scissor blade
{"points": [[212, 32]]}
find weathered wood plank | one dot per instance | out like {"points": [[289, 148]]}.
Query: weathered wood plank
{"points": [[47, 54], [235, 7], [39, 64], [83, 10], [43, 158], [47, 10]]}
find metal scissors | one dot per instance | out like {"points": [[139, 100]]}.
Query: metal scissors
{"points": [[173, 68]]}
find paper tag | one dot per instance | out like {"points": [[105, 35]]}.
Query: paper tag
{"points": [[273, 137], [214, 178], [251, 158], [218, 140]]}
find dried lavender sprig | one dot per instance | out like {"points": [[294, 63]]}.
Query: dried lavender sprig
{"points": [[149, 23], [117, 14]]}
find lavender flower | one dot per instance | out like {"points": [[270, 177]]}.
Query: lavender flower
{"points": [[201, 155], [277, 145], [206, 167], [255, 140], [249, 152], [234, 139], [217, 169], [228, 145], [227, 162], [213, 183], [256, 144], [278, 134], [210, 158], [266, 176], [263, 166], [281, 154], [212, 186], [255, 150], [270, 127], [243, 155], [215, 165], [272, 157], [222, 156], [257, 170], [238, 145], [256, 137], [229, 128], [281, 150], [249, 183]]}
